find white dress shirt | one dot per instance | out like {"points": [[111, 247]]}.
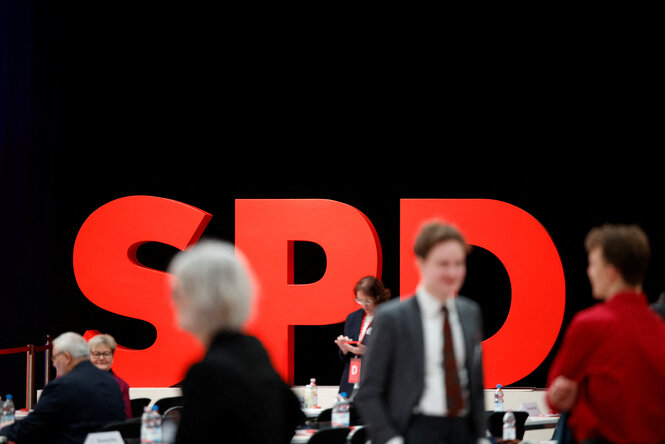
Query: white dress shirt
{"points": [[433, 400]]}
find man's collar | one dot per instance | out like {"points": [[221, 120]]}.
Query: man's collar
{"points": [[429, 305]]}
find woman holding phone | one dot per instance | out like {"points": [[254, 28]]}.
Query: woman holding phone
{"points": [[369, 293]]}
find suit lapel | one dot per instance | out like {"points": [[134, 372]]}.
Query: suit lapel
{"points": [[467, 329], [414, 326], [357, 324]]}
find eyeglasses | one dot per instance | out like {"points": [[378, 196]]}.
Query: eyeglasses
{"points": [[365, 302], [101, 354], [55, 356]]}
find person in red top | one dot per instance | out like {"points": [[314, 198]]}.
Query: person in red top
{"points": [[609, 374]]}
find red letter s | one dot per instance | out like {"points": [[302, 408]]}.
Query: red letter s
{"points": [[109, 274]]}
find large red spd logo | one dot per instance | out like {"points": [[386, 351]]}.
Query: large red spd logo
{"points": [[109, 274]]}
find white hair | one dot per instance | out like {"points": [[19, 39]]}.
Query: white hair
{"points": [[102, 339], [214, 277], [72, 343]]}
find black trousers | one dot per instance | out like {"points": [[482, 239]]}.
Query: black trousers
{"points": [[438, 430]]}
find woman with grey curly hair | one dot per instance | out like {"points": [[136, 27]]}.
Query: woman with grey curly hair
{"points": [[212, 289], [235, 387]]}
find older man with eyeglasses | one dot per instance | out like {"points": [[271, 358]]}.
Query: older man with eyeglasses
{"points": [[79, 401]]}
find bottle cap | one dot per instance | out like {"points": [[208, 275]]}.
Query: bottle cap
{"points": [[344, 394], [9, 397], [155, 407]]}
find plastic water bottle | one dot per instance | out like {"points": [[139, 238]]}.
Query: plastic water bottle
{"points": [[311, 398], [498, 399], [315, 395], [2, 413], [8, 411], [308, 398], [145, 426], [151, 426], [156, 425], [509, 431], [340, 416]]}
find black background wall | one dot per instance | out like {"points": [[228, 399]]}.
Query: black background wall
{"points": [[104, 101]]}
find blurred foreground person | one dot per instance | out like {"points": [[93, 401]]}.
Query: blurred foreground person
{"points": [[422, 376], [369, 293], [608, 375], [79, 401], [234, 394], [102, 350], [659, 306]]}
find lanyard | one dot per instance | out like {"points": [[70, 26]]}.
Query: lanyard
{"points": [[362, 332]]}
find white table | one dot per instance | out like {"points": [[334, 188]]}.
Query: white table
{"points": [[532, 422], [312, 413], [542, 421], [303, 436]]}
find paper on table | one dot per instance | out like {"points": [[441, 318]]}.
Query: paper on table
{"points": [[531, 408], [113, 437]]}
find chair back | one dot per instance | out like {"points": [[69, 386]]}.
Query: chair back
{"points": [[324, 415], [170, 423], [138, 404], [335, 435], [495, 423], [130, 428], [173, 414], [359, 435], [354, 416], [166, 403]]}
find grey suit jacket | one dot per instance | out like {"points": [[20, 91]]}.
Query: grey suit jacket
{"points": [[391, 380]]}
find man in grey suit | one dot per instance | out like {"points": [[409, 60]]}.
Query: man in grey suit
{"points": [[404, 395]]}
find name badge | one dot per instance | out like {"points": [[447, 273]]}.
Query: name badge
{"points": [[354, 370]]}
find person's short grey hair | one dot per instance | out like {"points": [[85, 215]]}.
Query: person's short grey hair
{"points": [[102, 339], [215, 277], [72, 343]]}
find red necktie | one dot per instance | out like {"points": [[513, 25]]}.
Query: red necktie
{"points": [[453, 388]]}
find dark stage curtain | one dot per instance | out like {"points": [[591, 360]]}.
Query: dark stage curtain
{"points": [[28, 143]]}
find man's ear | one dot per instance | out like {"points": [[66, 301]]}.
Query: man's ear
{"points": [[612, 273]]}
